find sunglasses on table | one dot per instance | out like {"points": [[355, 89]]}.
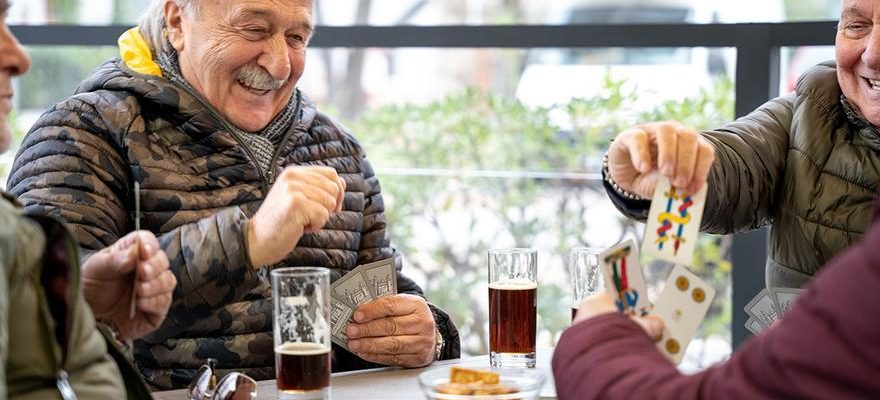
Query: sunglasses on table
{"points": [[233, 386]]}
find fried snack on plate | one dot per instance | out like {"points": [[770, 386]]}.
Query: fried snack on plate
{"points": [[465, 381], [467, 375]]}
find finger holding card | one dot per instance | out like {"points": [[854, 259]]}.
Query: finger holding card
{"points": [[624, 278], [682, 306], [673, 223]]}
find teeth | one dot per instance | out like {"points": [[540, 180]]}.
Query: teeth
{"points": [[262, 91], [875, 83]]}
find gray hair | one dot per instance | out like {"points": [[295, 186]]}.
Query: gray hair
{"points": [[152, 23]]}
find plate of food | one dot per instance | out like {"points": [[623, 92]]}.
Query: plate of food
{"points": [[460, 383]]}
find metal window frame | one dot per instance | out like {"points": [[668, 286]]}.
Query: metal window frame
{"points": [[757, 75]]}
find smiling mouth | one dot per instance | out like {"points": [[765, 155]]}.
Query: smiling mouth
{"points": [[258, 92], [874, 84]]}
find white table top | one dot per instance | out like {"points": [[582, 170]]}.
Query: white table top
{"points": [[385, 383]]}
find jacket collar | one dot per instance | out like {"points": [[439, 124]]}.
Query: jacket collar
{"points": [[136, 54], [865, 131]]}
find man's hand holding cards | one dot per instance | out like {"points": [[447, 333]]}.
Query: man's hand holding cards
{"points": [[359, 286]]}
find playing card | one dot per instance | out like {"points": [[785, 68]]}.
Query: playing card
{"points": [[340, 315], [783, 298], [754, 325], [673, 223], [352, 289], [624, 278], [761, 307], [682, 305], [381, 277]]}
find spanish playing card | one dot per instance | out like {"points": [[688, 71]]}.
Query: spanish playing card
{"points": [[682, 305], [673, 223], [624, 278]]}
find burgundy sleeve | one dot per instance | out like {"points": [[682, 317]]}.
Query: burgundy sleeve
{"points": [[826, 347]]}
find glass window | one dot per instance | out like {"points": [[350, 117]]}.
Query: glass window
{"points": [[468, 12], [485, 148], [78, 12], [797, 60]]}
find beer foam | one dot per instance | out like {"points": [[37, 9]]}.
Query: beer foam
{"points": [[302, 349], [296, 301], [513, 284]]}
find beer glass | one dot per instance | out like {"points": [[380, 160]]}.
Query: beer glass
{"points": [[585, 275], [301, 299], [513, 307]]}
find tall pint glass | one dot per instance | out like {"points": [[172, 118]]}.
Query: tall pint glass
{"points": [[513, 307], [585, 275], [301, 299]]}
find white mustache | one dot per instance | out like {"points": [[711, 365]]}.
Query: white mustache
{"points": [[258, 78]]}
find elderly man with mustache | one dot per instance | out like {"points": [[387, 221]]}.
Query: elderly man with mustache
{"points": [[239, 173]]}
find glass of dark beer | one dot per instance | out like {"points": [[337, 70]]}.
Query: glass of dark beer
{"points": [[585, 275], [513, 307], [301, 299]]}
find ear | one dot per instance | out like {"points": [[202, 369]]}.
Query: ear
{"points": [[174, 24]]}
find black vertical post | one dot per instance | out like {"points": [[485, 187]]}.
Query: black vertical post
{"points": [[757, 80]]}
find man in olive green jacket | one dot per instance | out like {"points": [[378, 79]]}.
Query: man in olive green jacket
{"points": [[50, 345], [808, 163]]}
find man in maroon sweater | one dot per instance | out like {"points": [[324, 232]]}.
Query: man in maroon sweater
{"points": [[826, 347]]}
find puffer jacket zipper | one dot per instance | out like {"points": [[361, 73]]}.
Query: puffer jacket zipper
{"points": [[72, 258], [265, 181], [53, 230]]}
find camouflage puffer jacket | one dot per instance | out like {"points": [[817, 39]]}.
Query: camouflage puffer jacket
{"points": [[199, 185]]}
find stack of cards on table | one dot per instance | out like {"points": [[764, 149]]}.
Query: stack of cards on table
{"points": [[360, 285], [671, 235], [768, 306]]}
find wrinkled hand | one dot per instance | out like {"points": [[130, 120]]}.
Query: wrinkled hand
{"points": [[602, 303], [107, 284], [394, 330], [676, 151], [301, 201]]}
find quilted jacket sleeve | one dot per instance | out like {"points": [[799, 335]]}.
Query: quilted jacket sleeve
{"points": [[73, 165], [750, 155]]}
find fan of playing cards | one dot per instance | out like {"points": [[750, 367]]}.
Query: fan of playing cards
{"points": [[768, 306], [671, 235], [358, 286]]}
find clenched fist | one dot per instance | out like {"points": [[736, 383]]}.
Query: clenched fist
{"points": [[301, 201]]}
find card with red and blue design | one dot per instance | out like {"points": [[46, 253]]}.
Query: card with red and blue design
{"points": [[673, 223], [624, 278]]}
